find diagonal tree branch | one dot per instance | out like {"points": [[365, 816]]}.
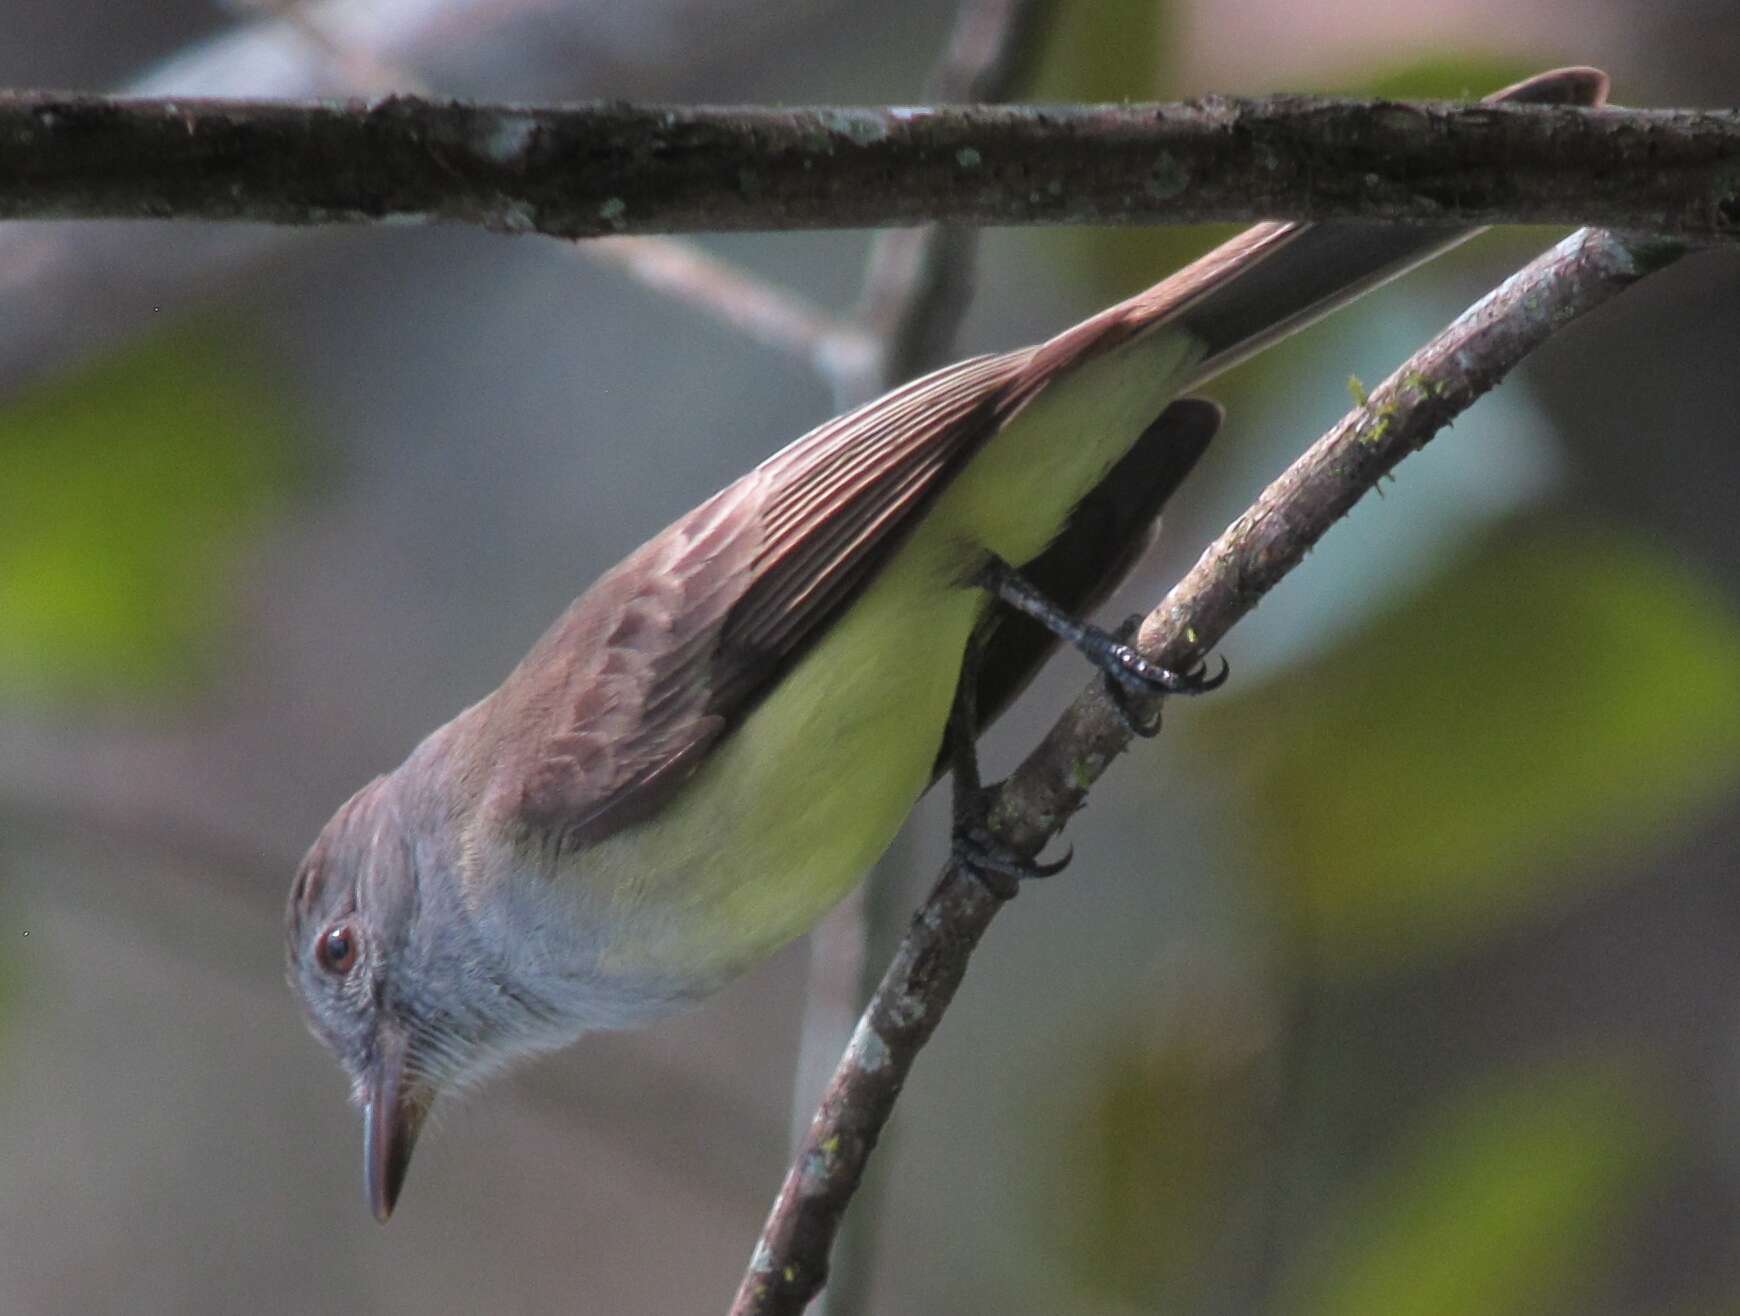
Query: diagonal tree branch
{"points": [[790, 1264], [597, 169]]}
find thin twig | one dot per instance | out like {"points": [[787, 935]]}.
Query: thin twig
{"points": [[589, 170], [764, 312], [358, 69], [992, 51], [918, 281], [1586, 270]]}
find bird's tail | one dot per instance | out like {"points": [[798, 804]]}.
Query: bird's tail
{"points": [[1275, 278]]}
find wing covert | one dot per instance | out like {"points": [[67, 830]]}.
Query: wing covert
{"points": [[619, 701]]}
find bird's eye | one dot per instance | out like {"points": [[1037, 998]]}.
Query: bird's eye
{"points": [[336, 949]]}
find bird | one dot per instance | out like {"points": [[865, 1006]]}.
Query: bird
{"points": [[719, 737]]}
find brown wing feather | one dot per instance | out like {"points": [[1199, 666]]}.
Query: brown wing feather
{"points": [[839, 493], [604, 713], [617, 704]]}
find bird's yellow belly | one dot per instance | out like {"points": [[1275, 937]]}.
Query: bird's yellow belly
{"points": [[794, 805]]}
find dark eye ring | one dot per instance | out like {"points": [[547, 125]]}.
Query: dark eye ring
{"points": [[336, 949]]}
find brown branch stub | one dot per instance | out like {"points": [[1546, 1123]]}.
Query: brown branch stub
{"points": [[1250, 558], [589, 170]]}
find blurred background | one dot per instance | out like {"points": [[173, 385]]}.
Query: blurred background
{"points": [[1401, 976]]}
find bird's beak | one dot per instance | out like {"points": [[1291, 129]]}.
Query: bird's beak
{"points": [[397, 1106]]}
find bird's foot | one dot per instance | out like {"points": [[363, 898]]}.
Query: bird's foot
{"points": [[1129, 676], [1126, 671], [998, 868]]}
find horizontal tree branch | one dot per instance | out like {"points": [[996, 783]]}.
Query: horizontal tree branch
{"points": [[586, 170], [1252, 556]]}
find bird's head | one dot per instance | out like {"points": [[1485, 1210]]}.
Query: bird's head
{"points": [[392, 975]]}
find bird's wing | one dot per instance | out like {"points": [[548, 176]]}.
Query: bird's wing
{"points": [[619, 701]]}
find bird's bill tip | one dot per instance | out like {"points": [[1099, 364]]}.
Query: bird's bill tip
{"points": [[392, 1119]]}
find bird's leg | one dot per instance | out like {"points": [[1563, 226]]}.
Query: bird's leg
{"points": [[1126, 672], [998, 868]]}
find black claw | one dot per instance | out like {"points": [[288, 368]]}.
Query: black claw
{"points": [[1056, 866], [1197, 681], [999, 869]]}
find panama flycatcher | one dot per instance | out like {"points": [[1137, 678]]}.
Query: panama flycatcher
{"points": [[719, 737]]}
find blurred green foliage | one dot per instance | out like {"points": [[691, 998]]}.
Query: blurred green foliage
{"points": [[1181, 1172], [1107, 51], [1563, 694], [1163, 1147], [1497, 1202], [130, 486], [1440, 75]]}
